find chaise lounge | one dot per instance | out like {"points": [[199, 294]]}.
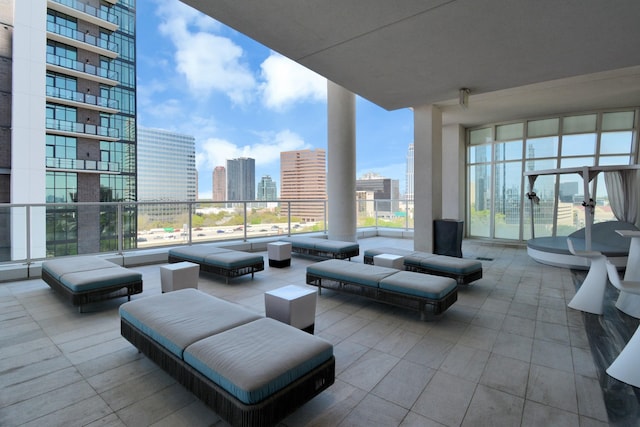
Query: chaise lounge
{"points": [[464, 271], [86, 279], [424, 293], [322, 248], [251, 370], [213, 259]]}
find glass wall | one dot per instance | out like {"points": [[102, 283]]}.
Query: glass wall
{"points": [[498, 155]]}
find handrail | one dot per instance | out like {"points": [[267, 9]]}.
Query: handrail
{"points": [[42, 225]]}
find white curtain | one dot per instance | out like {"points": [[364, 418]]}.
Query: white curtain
{"points": [[623, 187]]}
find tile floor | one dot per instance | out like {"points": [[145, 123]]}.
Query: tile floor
{"points": [[507, 353]]}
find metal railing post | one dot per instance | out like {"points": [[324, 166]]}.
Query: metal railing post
{"points": [[120, 229]]}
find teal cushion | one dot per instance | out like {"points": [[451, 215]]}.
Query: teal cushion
{"points": [[418, 284], [255, 360], [446, 264], [100, 278], [58, 267], [233, 259], [179, 318], [352, 272], [196, 253]]}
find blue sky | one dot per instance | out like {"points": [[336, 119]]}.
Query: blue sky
{"points": [[240, 99]]}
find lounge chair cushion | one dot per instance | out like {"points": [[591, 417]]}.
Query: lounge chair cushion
{"points": [[255, 360], [418, 284], [177, 319], [86, 273], [61, 266], [339, 270], [444, 263], [197, 253], [337, 246], [232, 259]]}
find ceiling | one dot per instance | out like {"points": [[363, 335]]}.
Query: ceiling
{"points": [[518, 58]]}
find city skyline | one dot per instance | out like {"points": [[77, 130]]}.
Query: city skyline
{"points": [[240, 99]]}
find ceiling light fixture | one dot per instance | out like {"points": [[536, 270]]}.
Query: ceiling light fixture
{"points": [[463, 97]]}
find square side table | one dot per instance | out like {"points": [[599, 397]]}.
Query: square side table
{"points": [[293, 305], [279, 254], [180, 275], [389, 260]]}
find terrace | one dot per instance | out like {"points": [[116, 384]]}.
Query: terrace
{"points": [[508, 352]]}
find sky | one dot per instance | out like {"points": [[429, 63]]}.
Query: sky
{"points": [[238, 98]]}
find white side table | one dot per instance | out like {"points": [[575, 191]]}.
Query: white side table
{"points": [[279, 254], [389, 260], [293, 305], [180, 275], [630, 303]]}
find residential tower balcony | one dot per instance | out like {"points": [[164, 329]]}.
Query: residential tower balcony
{"points": [[81, 100], [85, 12], [83, 70], [82, 130], [79, 165], [86, 41]]}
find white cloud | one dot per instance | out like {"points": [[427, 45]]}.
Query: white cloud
{"points": [[208, 62], [215, 152], [286, 82]]}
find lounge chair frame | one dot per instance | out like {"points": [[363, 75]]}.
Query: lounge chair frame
{"points": [[94, 295], [265, 413], [227, 273], [427, 307], [461, 279]]}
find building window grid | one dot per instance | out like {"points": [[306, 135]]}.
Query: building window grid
{"points": [[528, 162]]}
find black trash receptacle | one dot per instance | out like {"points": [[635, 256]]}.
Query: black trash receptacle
{"points": [[447, 237]]}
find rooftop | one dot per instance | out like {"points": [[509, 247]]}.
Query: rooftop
{"points": [[508, 352]]}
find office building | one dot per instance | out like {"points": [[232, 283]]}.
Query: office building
{"points": [[166, 172], [219, 184], [241, 179], [267, 189], [303, 176], [385, 192], [68, 90], [408, 193]]}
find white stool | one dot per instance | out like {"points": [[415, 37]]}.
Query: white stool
{"points": [[590, 296], [293, 305], [625, 367], [180, 275], [279, 254], [389, 260]]}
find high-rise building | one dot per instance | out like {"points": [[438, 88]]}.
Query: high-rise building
{"points": [[219, 184], [385, 191], [267, 189], [166, 166], [241, 179], [69, 97], [303, 176], [408, 194]]}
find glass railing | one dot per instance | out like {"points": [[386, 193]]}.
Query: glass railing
{"points": [[89, 10], [39, 231], [82, 128], [82, 67], [82, 37], [84, 98], [82, 165]]}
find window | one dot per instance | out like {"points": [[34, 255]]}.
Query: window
{"points": [[498, 155]]}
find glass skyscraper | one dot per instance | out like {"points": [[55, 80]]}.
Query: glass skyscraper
{"points": [[241, 179], [267, 189], [73, 110], [166, 166]]}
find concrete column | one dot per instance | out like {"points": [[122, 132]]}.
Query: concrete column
{"points": [[453, 172], [341, 160], [427, 174], [28, 176]]}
